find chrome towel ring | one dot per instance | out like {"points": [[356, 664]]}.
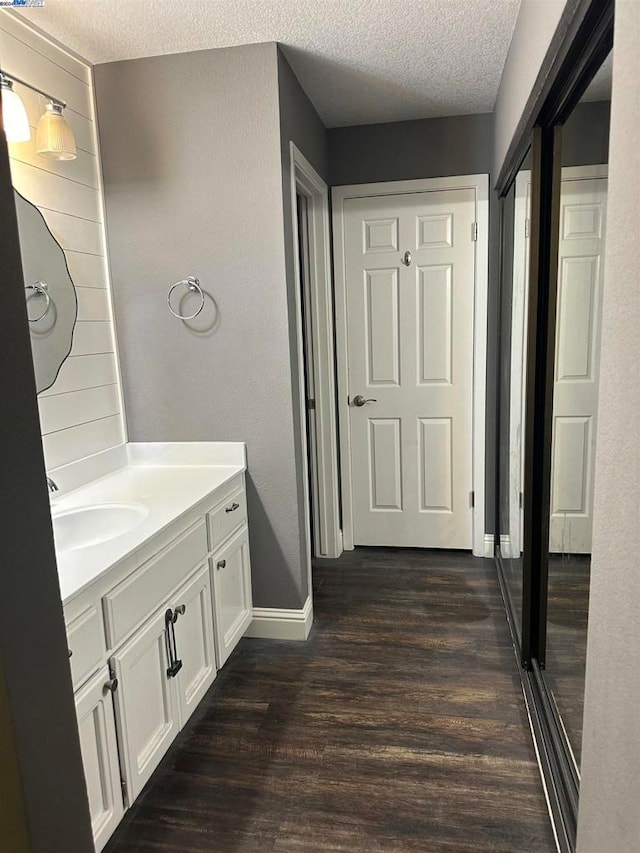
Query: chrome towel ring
{"points": [[191, 283], [40, 288]]}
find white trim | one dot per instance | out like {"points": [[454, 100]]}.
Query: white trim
{"points": [[306, 181], [480, 184], [269, 623], [489, 545], [106, 260]]}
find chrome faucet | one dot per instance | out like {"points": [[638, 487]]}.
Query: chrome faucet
{"points": [[51, 485]]}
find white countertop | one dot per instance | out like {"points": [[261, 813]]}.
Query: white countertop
{"points": [[168, 479]]}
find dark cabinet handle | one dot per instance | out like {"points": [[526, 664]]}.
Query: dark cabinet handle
{"points": [[70, 652], [221, 565], [175, 665], [180, 610], [234, 506], [111, 685]]}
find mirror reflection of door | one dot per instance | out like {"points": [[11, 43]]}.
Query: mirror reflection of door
{"points": [[577, 356], [581, 248]]}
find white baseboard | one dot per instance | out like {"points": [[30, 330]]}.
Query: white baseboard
{"points": [[269, 623], [488, 545]]}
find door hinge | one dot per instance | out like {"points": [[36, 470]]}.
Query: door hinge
{"points": [[527, 226], [311, 404], [472, 499], [123, 786], [474, 231], [521, 500]]}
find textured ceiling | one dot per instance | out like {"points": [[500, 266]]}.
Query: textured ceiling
{"points": [[360, 61]]}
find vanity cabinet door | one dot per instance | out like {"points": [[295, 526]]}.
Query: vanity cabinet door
{"points": [[146, 703], [231, 570], [194, 641], [96, 722]]}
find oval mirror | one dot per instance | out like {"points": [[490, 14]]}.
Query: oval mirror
{"points": [[52, 305]]}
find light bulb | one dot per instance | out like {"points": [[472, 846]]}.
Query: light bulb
{"points": [[14, 115]]}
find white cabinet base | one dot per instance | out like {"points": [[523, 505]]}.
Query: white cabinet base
{"points": [[194, 642], [146, 703], [94, 708], [231, 570]]}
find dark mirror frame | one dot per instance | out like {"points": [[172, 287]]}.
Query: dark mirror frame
{"points": [[583, 40]]}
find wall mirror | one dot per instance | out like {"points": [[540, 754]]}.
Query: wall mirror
{"points": [[52, 305]]}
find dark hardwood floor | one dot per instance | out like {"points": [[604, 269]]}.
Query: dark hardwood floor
{"points": [[399, 726], [566, 660]]}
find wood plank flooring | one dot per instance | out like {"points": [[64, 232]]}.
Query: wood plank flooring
{"points": [[399, 726], [567, 621]]}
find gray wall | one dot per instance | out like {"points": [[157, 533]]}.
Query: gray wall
{"points": [[585, 136], [299, 123], [609, 818], [432, 148], [408, 150], [191, 157], [39, 740]]}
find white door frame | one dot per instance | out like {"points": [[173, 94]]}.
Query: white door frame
{"points": [[305, 181], [480, 184], [512, 543]]}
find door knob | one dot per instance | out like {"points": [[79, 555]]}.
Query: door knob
{"points": [[359, 400]]}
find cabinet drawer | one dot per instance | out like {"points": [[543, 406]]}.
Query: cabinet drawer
{"points": [[85, 638], [227, 517], [142, 592]]}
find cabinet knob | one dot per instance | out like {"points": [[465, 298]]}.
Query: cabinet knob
{"points": [[180, 610], [111, 685], [70, 652], [234, 506], [221, 564]]}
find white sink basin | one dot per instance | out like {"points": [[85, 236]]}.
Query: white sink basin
{"points": [[90, 525]]}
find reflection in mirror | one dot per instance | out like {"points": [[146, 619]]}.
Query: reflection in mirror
{"points": [[583, 201], [513, 325], [51, 297]]}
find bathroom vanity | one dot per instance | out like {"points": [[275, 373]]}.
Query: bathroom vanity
{"points": [[153, 559]]}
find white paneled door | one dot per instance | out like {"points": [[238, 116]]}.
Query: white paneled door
{"points": [[410, 275], [575, 403]]}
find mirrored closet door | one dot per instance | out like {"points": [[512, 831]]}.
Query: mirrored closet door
{"points": [[553, 197], [580, 286]]}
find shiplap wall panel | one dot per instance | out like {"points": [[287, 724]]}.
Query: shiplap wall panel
{"points": [[34, 40], [22, 60], [75, 233], [87, 270], [55, 193], [93, 304], [82, 170], [61, 447], [90, 338], [79, 372], [81, 413]]}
